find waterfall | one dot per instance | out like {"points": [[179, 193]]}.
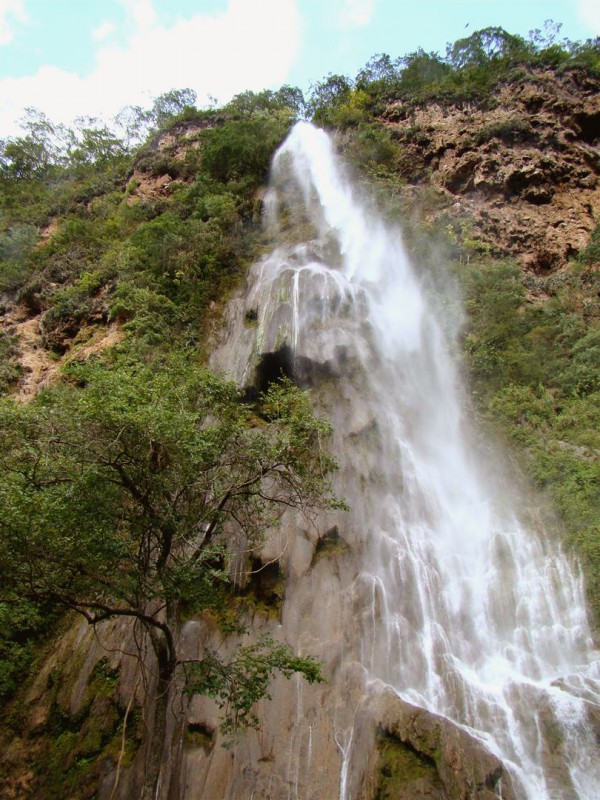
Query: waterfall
{"points": [[450, 593], [458, 605]]}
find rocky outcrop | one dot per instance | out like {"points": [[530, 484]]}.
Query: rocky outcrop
{"points": [[169, 155], [523, 172], [36, 336], [422, 755], [78, 721]]}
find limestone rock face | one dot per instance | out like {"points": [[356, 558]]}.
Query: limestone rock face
{"points": [[460, 766], [524, 170], [350, 737]]}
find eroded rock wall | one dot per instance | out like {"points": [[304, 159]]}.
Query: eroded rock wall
{"points": [[522, 169]]}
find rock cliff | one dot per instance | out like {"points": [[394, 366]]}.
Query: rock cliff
{"points": [[518, 176], [522, 173]]}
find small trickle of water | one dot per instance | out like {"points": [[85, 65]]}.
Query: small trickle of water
{"points": [[460, 608]]}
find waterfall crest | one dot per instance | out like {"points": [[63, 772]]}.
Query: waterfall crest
{"points": [[455, 603]]}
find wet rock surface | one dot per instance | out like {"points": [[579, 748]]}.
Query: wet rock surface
{"points": [[426, 756]]}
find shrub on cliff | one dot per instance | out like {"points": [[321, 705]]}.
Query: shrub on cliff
{"points": [[244, 148]]}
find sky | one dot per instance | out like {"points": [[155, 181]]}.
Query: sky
{"points": [[71, 58]]}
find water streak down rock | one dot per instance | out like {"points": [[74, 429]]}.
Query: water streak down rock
{"points": [[444, 621]]}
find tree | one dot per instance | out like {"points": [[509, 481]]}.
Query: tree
{"points": [[327, 95], [421, 70], [134, 122], [242, 149], [246, 104], [171, 104], [93, 143], [25, 157], [486, 46], [379, 70], [32, 156], [129, 496], [48, 149], [546, 38]]}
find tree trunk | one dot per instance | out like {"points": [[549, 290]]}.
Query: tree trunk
{"points": [[154, 779], [159, 754]]}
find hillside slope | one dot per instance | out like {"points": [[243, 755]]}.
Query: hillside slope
{"points": [[133, 260]]}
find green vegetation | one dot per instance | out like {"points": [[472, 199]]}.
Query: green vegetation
{"points": [[513, 130], [10, 369], [242, 149], [472, 70], [172, 459], [126, 486], [591, 254], [72, 747], [126, 490], [401, 769], [21, 624], [330, 545], [535, 377], [244, 680]]}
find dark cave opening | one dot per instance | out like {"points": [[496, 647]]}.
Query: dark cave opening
{"points": [[274, 367]]}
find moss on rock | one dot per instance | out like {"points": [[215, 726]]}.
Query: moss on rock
{"points": [[404, 773]]}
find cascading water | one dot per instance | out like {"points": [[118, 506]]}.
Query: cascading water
{"points": [[461, 609]]}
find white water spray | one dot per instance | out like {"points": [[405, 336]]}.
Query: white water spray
{"points": [[460, 608]]}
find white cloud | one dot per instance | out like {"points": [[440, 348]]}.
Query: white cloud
{"points": [[140, 12], [589, 13], [356, 13], [11, 11], [251, 45], [103, 31]]}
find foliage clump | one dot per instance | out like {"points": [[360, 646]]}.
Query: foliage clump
{"points": [[591, 254], [402, 770], [128, 490], [534, 373], [470, 71], [510, 131]]}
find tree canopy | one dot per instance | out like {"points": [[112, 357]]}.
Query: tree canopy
{"points": [[131, 491]]}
